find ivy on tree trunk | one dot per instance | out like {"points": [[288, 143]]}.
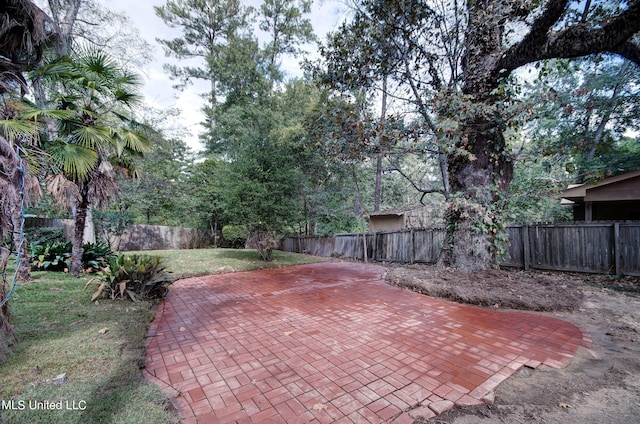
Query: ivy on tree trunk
{"points": [[480, 166]]}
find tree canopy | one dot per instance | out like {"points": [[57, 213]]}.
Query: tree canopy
{"points": [[455, 63], [410, 101]]}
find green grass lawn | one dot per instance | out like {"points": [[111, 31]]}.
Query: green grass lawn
{"points": [[196, 262], [99, 346]]}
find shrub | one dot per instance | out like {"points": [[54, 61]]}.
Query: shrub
{"points": [[235, 236], [96, 256], [138, 277], [55, 256], [264, 242], [41, 236]]}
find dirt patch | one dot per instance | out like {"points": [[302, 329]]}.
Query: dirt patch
{"points": [[492, 288], [601, 385]]}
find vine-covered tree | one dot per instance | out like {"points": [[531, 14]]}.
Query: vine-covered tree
{"points": [[456, 62], [481, 167]]}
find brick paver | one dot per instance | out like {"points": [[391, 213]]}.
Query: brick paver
{"points": [[331, 342]]}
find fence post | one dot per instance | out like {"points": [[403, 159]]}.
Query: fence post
{"points": [[526, 251], [364, 247], [411, 247], [374, 248], [616, 248]]}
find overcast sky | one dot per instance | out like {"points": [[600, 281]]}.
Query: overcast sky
{"points": [[158, 89]]}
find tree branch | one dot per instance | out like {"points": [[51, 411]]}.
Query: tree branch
{"points": [[574, 41], [537, 36], [424, 191], [629, 50]]}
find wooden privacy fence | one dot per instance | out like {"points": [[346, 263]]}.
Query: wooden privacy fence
{"points": [[605, 248]]}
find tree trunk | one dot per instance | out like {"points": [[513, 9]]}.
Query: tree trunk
{"points": [[378, 189], [65, 17], [6, 331], [480, 169], [597, 139], [479, 176], [80, 219], [383, 117], [12, 172]]}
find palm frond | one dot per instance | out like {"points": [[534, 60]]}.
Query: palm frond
{"points": [[63, 191], [11, 78], [92, 137], [36, 114], [25, 29], [76, 161], [127, 97], [15, 130], [55, 70], [103, 185], [132, 141]]}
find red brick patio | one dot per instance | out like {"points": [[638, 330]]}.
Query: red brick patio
{"points": [[331, 342]]}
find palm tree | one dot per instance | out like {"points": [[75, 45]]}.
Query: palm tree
{"points": [[97, 139], [24, 30]]}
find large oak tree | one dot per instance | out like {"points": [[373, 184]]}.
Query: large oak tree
{"points": [[456, 61], [554, 30]]}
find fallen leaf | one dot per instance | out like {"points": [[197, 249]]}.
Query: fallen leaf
{"points": [[104, 331], [319, 406], [564, 405], [288, 333]]}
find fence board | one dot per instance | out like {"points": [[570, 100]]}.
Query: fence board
{"points": [[567, 247], [578, 247], [514, 255], [629, 254]]}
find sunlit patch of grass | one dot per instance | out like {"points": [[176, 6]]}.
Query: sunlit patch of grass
{"points": [[196, 262], [99, 347]]}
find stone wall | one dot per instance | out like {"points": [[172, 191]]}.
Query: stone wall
{"points": [[136, 237], [159, 237]]}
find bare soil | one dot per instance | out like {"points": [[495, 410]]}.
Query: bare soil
{"points": [[601, 385]]}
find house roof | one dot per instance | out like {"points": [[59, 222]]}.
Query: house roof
{"points": [[618, 188]]}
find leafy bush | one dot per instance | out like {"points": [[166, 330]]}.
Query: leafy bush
{"points": [[41, 236], [138, 277], [235, 236], [55, 256], [264, 242], [96, 256]]}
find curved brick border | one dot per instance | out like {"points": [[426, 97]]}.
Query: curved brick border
{"points": [[331, 342]]}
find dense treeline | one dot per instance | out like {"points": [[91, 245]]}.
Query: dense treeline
{"points": [[483, 116]]}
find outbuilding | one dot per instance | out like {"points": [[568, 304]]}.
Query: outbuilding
{"points": [[611, 199]]}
